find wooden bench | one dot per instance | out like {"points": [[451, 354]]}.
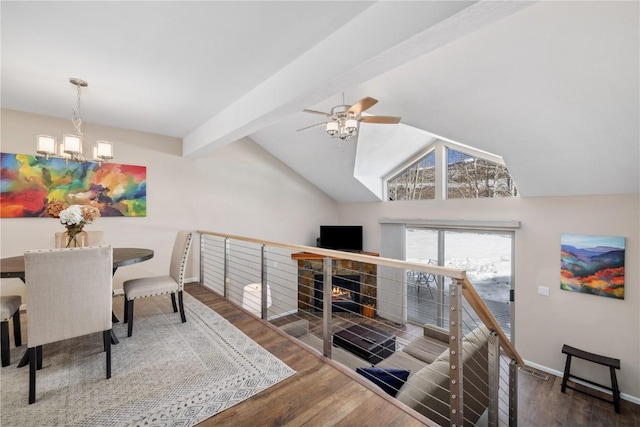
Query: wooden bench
{"points": [[612, 363]]}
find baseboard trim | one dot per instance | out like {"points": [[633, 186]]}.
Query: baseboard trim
{"points": [[560, 374]]}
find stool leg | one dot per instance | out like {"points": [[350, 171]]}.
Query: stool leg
{"points": [[616, 391], [567, 368]]}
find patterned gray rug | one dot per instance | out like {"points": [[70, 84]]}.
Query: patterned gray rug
{"points": [[167, 374]]}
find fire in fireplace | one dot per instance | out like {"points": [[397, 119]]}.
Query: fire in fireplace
{"points": [[345, 293]]}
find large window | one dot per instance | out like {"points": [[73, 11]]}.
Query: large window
{"points": [[417, 182], [454, 171]]}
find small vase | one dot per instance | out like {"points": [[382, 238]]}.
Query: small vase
{"points": [[76, 238]]}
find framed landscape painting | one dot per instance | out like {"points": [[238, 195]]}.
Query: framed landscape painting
{"points": [[29, 183], [592, 265]]}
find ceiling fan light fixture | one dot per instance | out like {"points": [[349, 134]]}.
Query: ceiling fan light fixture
{"points": [[333, 128], [351, 126], [343, 121]]}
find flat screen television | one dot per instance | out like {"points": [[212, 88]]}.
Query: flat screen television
{"points": [[341, 237]]}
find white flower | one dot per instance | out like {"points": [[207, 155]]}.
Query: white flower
{"points": [[72, 215]]}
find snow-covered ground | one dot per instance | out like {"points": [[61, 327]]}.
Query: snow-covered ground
{"points": [[485, 257]]}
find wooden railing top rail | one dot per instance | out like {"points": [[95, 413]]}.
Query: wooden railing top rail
{"points": [[481, 309], [388, 262], [468, 291]]}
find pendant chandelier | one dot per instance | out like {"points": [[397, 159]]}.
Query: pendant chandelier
{"points": [[70, 148]]}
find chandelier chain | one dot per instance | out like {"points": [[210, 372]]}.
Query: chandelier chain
{"points": [[77, 114]]}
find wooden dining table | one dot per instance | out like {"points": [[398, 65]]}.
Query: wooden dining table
{"points": [[13, 268]]}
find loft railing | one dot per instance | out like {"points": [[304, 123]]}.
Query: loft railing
{"points": [[462, 374]]}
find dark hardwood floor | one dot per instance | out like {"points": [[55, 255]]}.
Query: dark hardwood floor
{"points": [[322, 394], [319, 394]]}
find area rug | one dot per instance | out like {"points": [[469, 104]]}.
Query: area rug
{"points": [[168, 373]]}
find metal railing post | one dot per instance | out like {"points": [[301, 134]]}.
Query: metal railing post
{"points": [[263, 280], [225, 285], [513, 393], [327, 282], [455, 354], [494, 377], [202, 249]]}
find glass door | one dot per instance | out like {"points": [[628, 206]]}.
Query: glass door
{"points": [[485, 255]]}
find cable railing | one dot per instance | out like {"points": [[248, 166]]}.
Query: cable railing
{"points": [[458, 368]]}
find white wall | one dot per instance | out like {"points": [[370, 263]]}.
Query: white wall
{"points": [[239, 189], [543, 324]]}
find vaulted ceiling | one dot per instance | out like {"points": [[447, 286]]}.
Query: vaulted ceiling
{"points": [[552, 87]]}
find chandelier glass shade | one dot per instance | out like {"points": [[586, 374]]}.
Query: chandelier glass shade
{"points": [[70, 147]]}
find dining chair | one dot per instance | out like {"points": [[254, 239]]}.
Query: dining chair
{"points": [[69, 295], [160, 285], [94, 238], [9, 308]]}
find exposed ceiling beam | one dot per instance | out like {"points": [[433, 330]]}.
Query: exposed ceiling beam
{"points": [[379, 39]]}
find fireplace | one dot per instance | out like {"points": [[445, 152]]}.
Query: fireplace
{"points": [[345, 295]]}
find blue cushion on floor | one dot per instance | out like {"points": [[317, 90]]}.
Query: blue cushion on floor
{"points": [[389, 379]]}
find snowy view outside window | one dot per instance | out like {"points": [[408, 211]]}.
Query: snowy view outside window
{"points": [[485, 256], [472, 177], [467, 177], [417, 182]]}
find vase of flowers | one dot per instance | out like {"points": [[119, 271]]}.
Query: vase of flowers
{"points": [[74, 218]]}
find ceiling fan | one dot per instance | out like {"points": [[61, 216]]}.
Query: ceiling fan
{"points": [[343, 120]]}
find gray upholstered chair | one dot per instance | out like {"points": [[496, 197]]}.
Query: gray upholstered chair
{"points": [[9, 308], [94, 238], [69, 295], [160, 285]]}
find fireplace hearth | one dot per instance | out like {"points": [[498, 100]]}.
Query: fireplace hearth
{"points": [[345, 295]]}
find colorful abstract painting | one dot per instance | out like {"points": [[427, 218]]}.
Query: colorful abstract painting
{"points": [[29, 183], [592, 265]]}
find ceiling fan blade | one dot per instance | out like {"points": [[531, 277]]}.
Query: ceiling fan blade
{"points": [[380, 119], [317, 112], [362, 105], [312, 126]]}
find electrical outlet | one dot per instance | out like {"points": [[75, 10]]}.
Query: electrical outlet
{"points": [[543, 290]]}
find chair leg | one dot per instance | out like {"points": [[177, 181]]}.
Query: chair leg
{"points": [[4, 343], [173, 302], [17, 335], [106, 335], [129, 317], [39, 357], [32, 374], [180, 302], [126, 318]]}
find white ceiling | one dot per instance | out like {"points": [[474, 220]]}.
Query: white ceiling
{"points": [[553, 87]]}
